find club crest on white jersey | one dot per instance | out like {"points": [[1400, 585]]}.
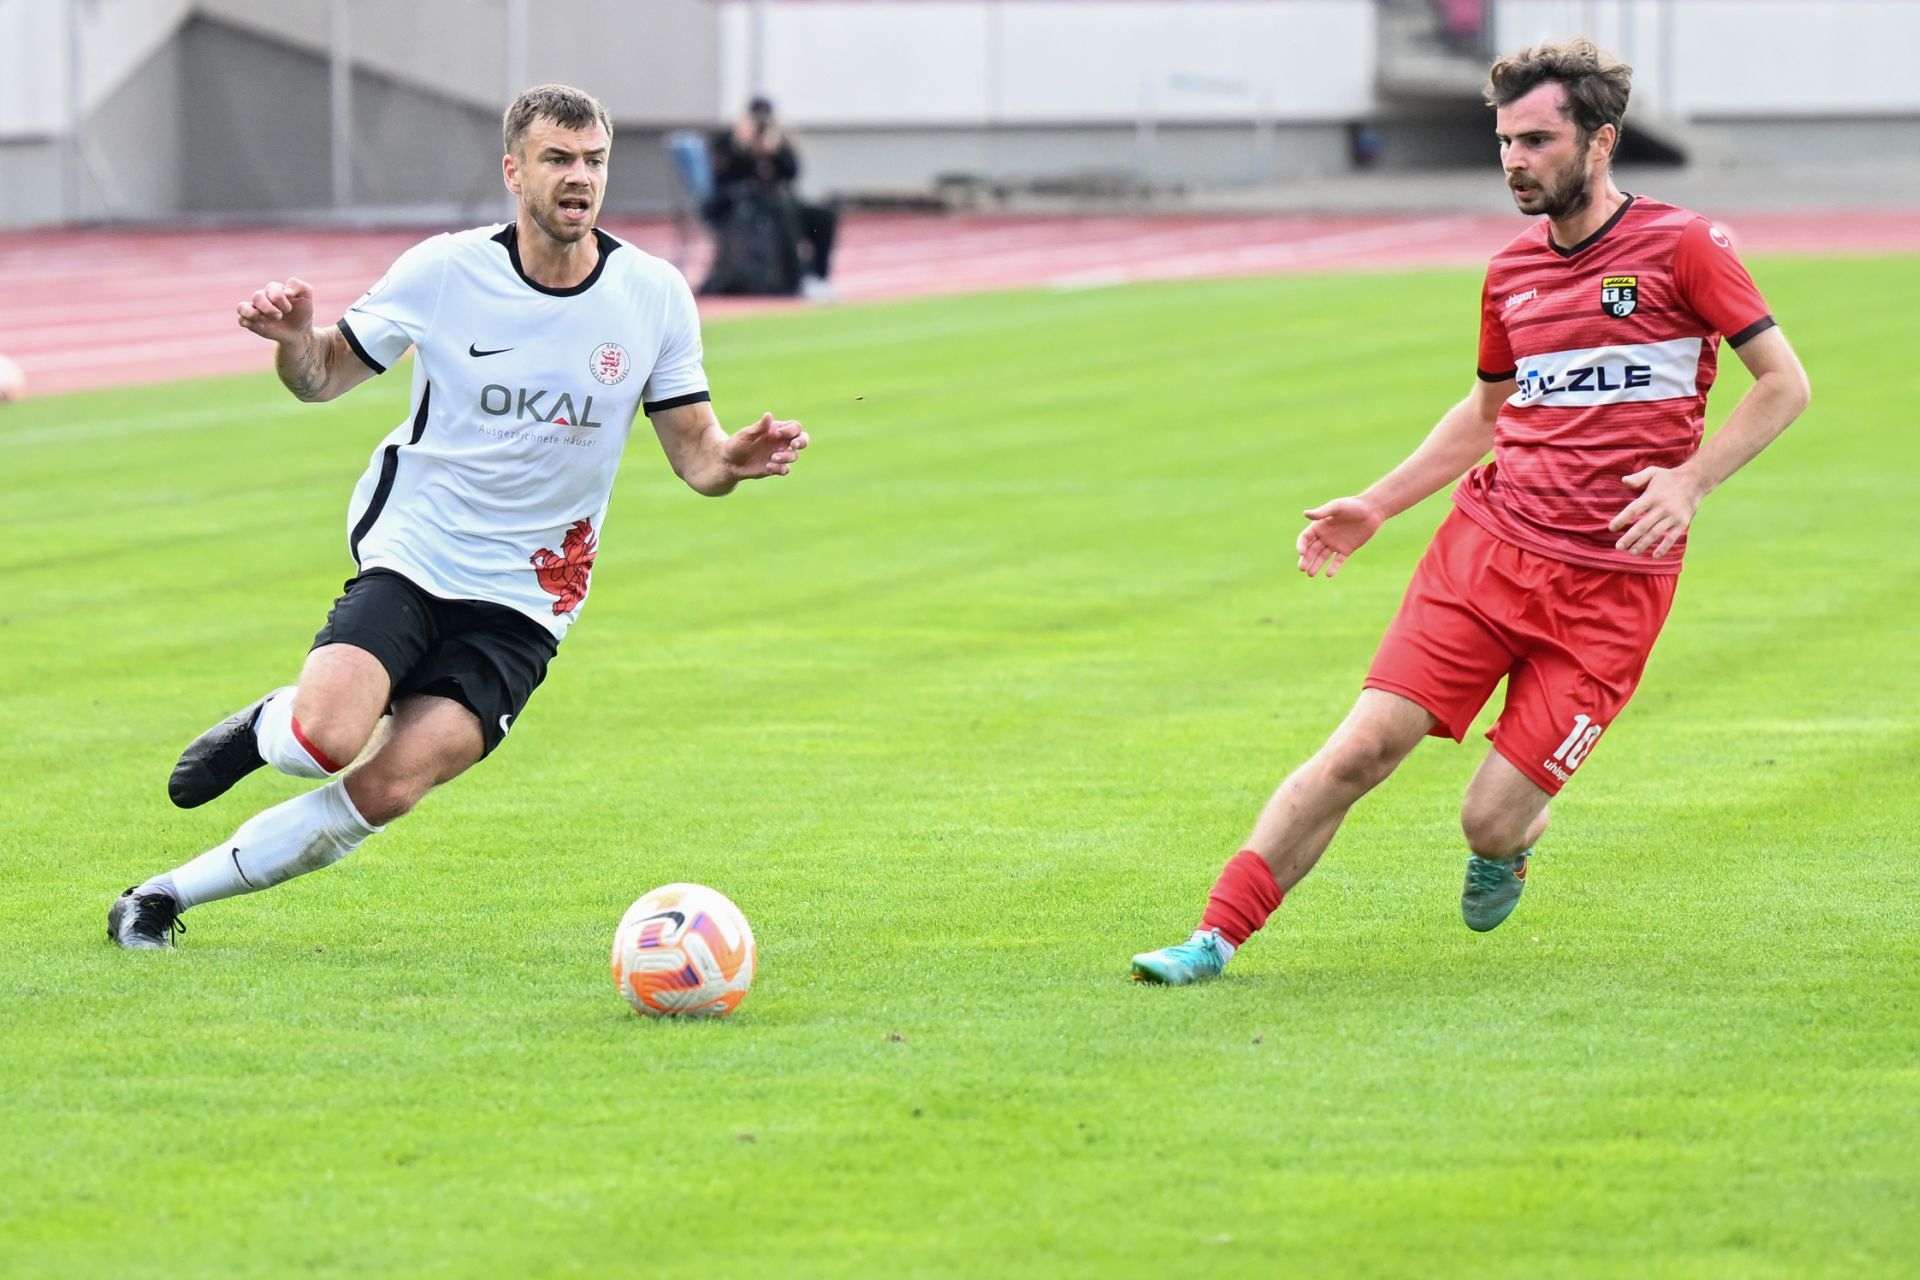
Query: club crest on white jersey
{"points": [[609, 364]]}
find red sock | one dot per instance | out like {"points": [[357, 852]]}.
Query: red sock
{"points": [[1242, 898]]}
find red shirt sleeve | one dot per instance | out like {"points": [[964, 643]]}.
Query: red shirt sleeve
{"points": [[1496, 355], [1716, 286]]}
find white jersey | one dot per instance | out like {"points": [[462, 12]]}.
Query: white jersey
{"points": [[496, 485]]}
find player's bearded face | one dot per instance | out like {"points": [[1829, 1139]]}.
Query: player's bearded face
{"points": [[1558, 191]]}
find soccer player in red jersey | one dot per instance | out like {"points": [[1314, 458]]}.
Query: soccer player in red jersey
{"points": [[1599, 334]]}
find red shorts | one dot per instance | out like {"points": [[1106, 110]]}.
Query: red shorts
{"points": [[1570, 640]]}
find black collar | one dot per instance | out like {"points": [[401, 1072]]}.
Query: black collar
{"points": [[1605, 227], [509, 236]]}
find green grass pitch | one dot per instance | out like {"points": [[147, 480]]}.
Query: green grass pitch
{"points": [[963, 713]]}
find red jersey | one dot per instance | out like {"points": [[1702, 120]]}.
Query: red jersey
{"points": [[1614, 343]]}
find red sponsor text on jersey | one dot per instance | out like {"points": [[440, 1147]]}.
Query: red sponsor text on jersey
{"points": [[1613, 345]]}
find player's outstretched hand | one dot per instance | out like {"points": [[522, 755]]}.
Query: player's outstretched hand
{"points": [[767, 448], [1335, 531], [279, 312], [1655, 520]]}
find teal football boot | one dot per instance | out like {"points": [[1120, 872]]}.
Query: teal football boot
{"points": [[1200, 957], [1491, 890]]}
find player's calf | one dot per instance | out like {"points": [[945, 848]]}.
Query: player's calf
{"points": [[298, 836], [1503, 814]]}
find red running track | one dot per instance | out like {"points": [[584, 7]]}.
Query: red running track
{"points": [[104, 307]]}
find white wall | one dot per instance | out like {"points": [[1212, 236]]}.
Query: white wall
{"points": [[33, 78], [456, 48], [971, 62], [115, 38], [1797, 57], [646, 60], [1754, 59]]}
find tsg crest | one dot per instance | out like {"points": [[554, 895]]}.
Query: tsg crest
{"points": [[1619, 295]]}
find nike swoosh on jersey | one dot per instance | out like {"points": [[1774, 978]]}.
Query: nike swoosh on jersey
{"points": [[473, 349]]}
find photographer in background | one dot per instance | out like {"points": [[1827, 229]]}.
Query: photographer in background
{"points": [[754, 167]]}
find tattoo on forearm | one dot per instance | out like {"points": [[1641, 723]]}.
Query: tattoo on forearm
{"points": [[305, 369]]}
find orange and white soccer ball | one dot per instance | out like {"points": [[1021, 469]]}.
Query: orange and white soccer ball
{"points": [[683, 950]]}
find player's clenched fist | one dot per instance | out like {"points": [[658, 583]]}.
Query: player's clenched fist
{"points": [[278, 311]]}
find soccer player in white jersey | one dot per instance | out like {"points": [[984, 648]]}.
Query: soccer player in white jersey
{"points": [[477, 521], [1599, 338]]}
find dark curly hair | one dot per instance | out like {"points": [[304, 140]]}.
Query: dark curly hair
{"points": [[1597, 83]]}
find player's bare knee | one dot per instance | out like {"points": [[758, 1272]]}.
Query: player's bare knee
{"points": [[332, 739], [1360, 762], [1492, 832]]}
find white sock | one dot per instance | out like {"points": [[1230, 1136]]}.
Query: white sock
{"points": [[280, 744], [162, 883], [1226, 948], [306, 833]]}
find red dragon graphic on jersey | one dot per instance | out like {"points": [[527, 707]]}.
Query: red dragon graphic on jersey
{"points": [[564, 574]]}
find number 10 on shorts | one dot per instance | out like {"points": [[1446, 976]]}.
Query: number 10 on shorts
{"points": [[1579, 742]]}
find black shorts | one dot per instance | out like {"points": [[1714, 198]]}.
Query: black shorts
{"points": [[484, 656]]}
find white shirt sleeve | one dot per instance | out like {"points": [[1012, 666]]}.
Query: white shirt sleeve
{"points": [[677, 376], [395, 313]]}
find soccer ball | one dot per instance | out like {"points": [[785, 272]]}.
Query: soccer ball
{"points": [[683, 950], [13, 383]]}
